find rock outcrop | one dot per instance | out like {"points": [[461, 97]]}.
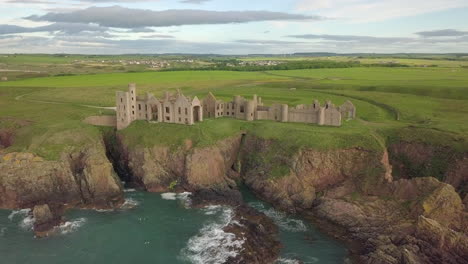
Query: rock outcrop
{"points": [[420, 220], [45, 219], [84, 179], [399, 230], [308, 173], [413, 159], [258, 233], [161, 168]]}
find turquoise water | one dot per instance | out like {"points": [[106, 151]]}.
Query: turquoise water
{"points": [[157, 230]]}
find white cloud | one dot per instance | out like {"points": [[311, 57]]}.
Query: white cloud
{"points": [[376, 10]]}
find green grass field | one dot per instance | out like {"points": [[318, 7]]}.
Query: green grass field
{"points": [[46, 113]]}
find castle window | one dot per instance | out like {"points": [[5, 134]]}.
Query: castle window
{"points": [[121, 100], [167, 110], [139, 106], [180, 119], [124, 107], [167, 118], [180, 111], [232, 113], [133, 99], [242, 109], [327, 106], [186, 111], [146, 107], [133, 112], [217, 107], [186, 121]]}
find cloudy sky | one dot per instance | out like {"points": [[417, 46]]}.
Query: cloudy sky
{"points": [[233, 27]]}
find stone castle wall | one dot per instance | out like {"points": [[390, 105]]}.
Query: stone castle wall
{"points": [[179, 109]]}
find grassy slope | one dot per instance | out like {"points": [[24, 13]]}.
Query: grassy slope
{"points": [[58, 126]]}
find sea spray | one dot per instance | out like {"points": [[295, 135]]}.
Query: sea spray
{"points": [[22, 212], [71, 226], [212, 244], [184, 197]]}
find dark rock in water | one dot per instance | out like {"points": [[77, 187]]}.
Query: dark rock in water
{"points": [[45, 219], [260, 235], [258, 232], [222, 196]]}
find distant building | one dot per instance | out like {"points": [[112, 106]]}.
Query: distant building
{"points": [[177, 108], [4, 79]]}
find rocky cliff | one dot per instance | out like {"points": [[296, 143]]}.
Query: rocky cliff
{"points": [[161, 168], [84, 179], [417, 220], [307, 173], [415, 159]]}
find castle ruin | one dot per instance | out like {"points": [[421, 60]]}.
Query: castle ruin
{"points": [[180, 109]]}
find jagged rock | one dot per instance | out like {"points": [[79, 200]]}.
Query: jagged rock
{"points": [[259, 233], [82, 179], [156, 168], [416, 159], [334, 173], [44, 220]]}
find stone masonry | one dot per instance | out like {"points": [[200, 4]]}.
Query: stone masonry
{"points": [[179, 109]]}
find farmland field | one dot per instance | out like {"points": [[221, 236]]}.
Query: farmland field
{"points": [[46, 113]]}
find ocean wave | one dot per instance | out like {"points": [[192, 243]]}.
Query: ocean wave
{"points": [[22, 212], [169, 196], [292, 260], [184, 197], [281, 219], [287, 261], [71, 226], [2, 231], [212, 244], [27, 223], [212, 209], [129, 203]]}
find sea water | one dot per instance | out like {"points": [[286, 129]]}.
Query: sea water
{"points": [[155, 228]]}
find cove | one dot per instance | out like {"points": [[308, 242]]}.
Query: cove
{"points": [[159, 229]]}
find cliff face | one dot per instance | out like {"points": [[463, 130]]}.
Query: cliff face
{"points": [[307, 173], [417, 220], [411, 159], [161, 168], [79, 179]]}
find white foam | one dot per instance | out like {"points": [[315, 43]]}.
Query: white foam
{"points": [[129, 203], [169, 196], [104, 210], [22, 213], [281, 219], [27, 223], [130, 190], [287, 261], [212, 209], [71, 226], [212, 244], [184, 197], [2, 231]]}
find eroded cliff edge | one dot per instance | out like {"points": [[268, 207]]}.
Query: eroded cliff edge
{"points": [[84, 179], [401, 220], [419, 220]]}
